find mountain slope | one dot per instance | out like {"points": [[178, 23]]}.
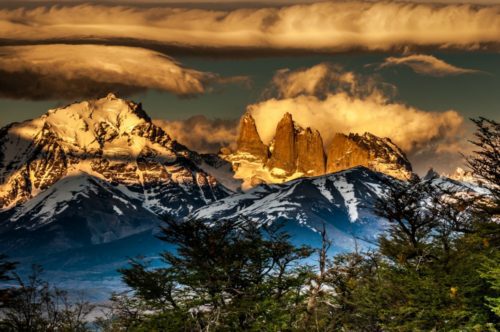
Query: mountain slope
{"points": [[76, 211], [341, 201]]}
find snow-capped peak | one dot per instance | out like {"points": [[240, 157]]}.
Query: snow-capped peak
{"points": [[86, 123], [111, 139]]}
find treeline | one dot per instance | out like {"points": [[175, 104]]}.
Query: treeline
{"points": [[436, 268]]}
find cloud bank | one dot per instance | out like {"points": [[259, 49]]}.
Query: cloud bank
{"points": [[427, 65], [325, 26], [202, 134], [355, 104], [75, 71]]}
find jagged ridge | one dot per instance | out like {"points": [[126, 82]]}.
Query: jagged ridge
{"points": [[296, 152]]}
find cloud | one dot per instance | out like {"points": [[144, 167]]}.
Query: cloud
{"points": [[320, 80], [427, 65], [407, 126], [202, 134], [350, 106], [74, 71], [323, 27]]}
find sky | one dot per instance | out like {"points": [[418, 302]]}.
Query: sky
{"points": [[411, 71]]}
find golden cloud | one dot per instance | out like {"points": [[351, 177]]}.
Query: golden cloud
{"points": [[200, 133], [74, 71], [355, 109], [427, 65], [324, 26]]}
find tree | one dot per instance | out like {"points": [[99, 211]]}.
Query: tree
{"points": [[407, 208], [485, 165], [485, 161], [36, 306], [6, 269], [224, 275], [437, 262]]}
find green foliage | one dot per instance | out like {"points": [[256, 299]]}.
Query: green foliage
{"points": [[225, 275], [491, 273]]}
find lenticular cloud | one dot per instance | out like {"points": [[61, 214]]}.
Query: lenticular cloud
{"points": [[75, 71], [325, 26]]}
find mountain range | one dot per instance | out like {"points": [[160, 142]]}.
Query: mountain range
{"points": [[85, 186], [297, 152]]}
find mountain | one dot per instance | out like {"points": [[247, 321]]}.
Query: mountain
{"points": [[297, 152], [99, 168], [341, 201], [463, 176], [77, 211], [378, 154], [85, 186]]}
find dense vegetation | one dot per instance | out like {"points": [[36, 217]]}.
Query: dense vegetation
{"points": [[436, 268]]}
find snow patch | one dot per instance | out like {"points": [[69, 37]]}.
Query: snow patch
{"points": [[347, 191], [117, 210]]}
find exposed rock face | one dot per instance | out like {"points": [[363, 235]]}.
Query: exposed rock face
{"points": [[310, 153], [368, 150], [344, 153], [249, 140], [284, 154], [296, 152]]}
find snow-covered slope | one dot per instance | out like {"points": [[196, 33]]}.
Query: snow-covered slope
{"points": [[76, 211], [341, 201]]}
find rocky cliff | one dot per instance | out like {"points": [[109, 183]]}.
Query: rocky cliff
{"points": [[378, 154], [310, 152], [249, 140], [296, 152], [284, 154]]}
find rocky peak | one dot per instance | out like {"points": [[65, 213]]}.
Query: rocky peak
{"points": [[310, 153], [249, 140], [368, 150], [344, 153], [431, 174], [111, 139], [88, 122], [284, 152]]}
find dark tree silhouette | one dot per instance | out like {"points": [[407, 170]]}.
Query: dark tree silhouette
{"points": [[228, 274], [485, 160], [6, 269]]}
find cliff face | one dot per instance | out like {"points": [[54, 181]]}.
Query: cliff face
{"points": [[249, 140], [284, 152], [297, 152], [310, 153], [345, 153], [376, 153]]}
